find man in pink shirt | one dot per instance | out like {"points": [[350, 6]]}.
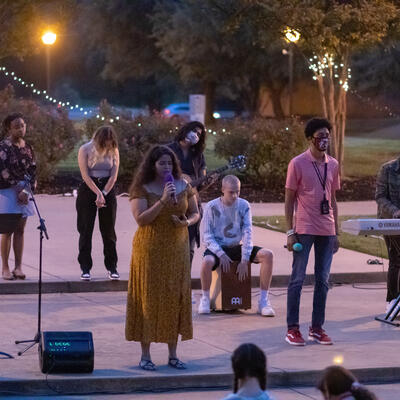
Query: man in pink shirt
{"points": [[311, 184]]}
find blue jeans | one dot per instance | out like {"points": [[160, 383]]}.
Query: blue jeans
{"points": [[323, 248]]}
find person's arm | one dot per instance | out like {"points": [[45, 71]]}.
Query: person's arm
{"points": [[290, 198], [208, 233], [145, 215], [83, 167], [193, 214], [114, 175], [382, 194], [247, 237]]}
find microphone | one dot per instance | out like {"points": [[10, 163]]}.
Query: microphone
{"points": [[296, 247], [169, 178]]}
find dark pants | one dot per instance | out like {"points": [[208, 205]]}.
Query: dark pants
{"points": [[393, 276], [87, 210], [323, 248], [194, 235]]}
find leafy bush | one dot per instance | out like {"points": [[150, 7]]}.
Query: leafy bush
{"points": [[268, 144], [49, 131], [135, 135]]}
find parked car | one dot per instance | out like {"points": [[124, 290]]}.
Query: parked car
{"points": [[181, 110]]}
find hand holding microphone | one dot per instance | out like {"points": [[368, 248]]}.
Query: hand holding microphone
{"points": [[169, 189]]}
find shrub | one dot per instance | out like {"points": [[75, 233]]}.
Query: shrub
{"points": [[135, 135], [268, 144], [49, 131]]}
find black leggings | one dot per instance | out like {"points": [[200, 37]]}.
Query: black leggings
{"points": [[87, 210]]}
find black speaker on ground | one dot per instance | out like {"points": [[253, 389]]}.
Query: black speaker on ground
{"points": [[70, 352]]}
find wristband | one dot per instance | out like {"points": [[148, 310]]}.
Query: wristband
{"points": [[104, 192], [290, 232], [25, 191]]}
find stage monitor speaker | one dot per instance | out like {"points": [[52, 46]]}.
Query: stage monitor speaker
{"points": [[69, 352]]}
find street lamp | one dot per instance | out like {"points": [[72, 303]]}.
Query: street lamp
{"points": [[48, 38], [291, 36]]}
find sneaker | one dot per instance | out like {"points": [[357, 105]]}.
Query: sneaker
{"points": [[204, 306], [193, 299], [319, 335], [85, 276], [294, 337], [265, 309], [114, 276]]}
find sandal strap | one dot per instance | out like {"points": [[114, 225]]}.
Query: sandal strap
{"points": [[147, 365], [176, 363]]}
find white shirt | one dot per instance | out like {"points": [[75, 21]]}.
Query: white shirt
{"points": [[228, 226]]}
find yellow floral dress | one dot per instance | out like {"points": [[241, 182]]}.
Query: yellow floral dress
{"points": [[159, 306]]}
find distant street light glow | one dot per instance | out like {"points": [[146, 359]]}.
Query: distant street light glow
{"points": [[49, 38], [292, 35]]}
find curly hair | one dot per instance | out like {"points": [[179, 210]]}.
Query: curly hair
{"points": [[314, 124], [248, 360], [147, 171], [199, 147], [6, 124], [337, 380]]}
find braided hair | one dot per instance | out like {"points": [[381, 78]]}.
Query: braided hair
{"points": [[249, 361]]}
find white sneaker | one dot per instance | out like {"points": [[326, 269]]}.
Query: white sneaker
{"points": [[204, 306], [265, 309], [193, 299]]}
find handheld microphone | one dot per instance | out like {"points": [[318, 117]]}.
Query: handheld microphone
{"points": [[296, 247], [169, 178]]}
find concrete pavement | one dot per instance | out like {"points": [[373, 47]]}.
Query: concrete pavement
{"points": [[366, 346], [60, 252]]}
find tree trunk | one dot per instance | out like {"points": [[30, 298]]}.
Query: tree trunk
{"points": [[276, 102], [209, 91]]}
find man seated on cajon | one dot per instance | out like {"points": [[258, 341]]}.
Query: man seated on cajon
{"points": [[226, 224]]}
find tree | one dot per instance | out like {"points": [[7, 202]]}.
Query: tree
{"points": [[331, 32], [120, 32]]}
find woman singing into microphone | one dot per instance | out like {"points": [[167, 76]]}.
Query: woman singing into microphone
{"points": [[159, 305], [17, 174]]}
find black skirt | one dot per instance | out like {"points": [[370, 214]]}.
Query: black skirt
{"points": [[9, 222]]}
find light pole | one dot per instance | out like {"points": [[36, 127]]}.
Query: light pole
{"points": [[291, 37], [48, 38]]}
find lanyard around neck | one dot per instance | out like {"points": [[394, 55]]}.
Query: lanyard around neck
{"points": [[317, 171]]}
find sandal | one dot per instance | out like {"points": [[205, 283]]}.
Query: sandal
{"points": [[8, 276], [147, 365], [18, 274], [176, 363]]}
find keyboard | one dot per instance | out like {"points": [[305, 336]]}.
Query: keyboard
{"points": [[371, 226]]}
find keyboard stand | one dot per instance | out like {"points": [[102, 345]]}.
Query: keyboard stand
{"points": [[391, 314]]}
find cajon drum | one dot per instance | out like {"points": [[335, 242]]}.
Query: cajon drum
{"points": [[227, 292]]}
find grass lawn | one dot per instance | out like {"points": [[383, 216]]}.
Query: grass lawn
{"points": [[364, 156], [375, 246]]}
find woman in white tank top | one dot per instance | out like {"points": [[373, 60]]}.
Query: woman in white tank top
{"points": [[98, 163]]}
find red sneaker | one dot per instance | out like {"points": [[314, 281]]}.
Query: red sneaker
{"points": [[319, 335], [294, 337]]}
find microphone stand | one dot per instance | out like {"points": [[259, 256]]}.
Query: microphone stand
{"points": [[43, 233]]}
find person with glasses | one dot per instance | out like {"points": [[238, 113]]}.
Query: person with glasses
{"points": [[312, 219]]}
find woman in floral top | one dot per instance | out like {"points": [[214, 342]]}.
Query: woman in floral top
{"points": [[17, 174]]}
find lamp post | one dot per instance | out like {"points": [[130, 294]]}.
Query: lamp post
{"points": [[291, 36], [48, 38]]}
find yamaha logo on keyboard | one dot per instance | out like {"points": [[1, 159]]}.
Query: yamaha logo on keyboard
{"points": [[389, 224]]}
